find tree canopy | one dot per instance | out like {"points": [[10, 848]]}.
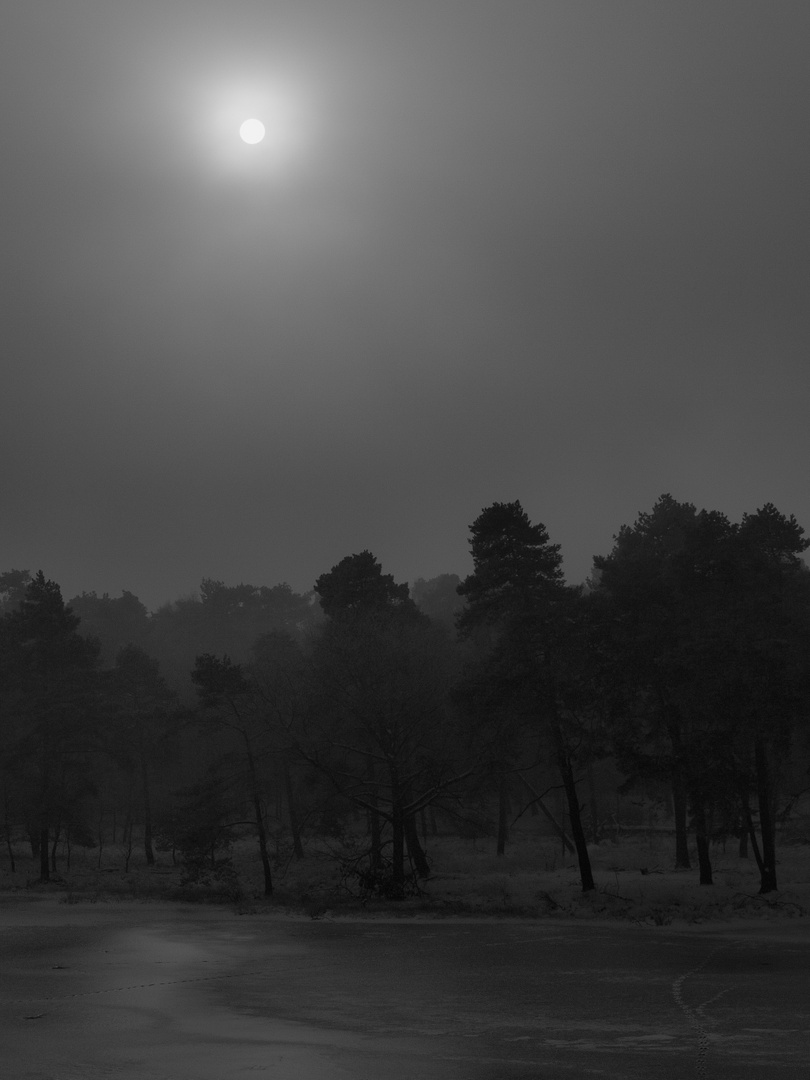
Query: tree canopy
{"points": [[357, 584]]}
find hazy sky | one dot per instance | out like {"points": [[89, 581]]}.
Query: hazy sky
{"points": [[547, 250]]}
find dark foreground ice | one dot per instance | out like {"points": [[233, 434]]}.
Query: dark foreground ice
{"points": [[157, 992]]}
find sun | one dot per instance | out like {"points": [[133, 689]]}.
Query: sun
{"points": [[255, 130], [252, 131]]}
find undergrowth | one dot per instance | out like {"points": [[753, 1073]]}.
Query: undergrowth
{"points": [[535, 879]]}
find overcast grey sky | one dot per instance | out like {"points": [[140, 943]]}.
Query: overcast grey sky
{"points": [[547, 250]]}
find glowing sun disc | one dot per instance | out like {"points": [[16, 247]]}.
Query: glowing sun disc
{"points": [[252, 131]]}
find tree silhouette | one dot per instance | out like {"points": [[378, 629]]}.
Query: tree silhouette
{"points": [[52, 706], [710, 637], [357, 583], [384, 731], [521, 609]]}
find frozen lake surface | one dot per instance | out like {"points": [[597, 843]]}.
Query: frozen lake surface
{"points": [[159, 992]]}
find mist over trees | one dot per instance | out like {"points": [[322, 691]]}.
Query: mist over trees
{"points": [[365, 715]]}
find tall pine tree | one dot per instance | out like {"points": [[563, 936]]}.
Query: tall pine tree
{"points": [[519, 604]]}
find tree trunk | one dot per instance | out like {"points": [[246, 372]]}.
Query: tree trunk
{"points": [[398, 854], [679, 804], [559, 798], [767, 824], [54, 846], [127, 836], [12, 864], [257, 809], [375, 831], [704, 862], [568, 844], [702, 841], [8, 832], [44, 864], [100, 833], [292, 812], [503, 812], [416, 852], [742, 833], [398, 837], [569, 783], [147, 814], [679, 793], [262, 835], [593, 805], [752, 833]]}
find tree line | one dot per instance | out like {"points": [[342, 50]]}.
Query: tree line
{"points": [[363, 711]]}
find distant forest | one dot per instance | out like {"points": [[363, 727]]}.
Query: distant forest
{"points": [[367, 714]]}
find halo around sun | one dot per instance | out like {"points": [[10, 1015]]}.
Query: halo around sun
{"points": [[252, 131], [238, 143]]}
